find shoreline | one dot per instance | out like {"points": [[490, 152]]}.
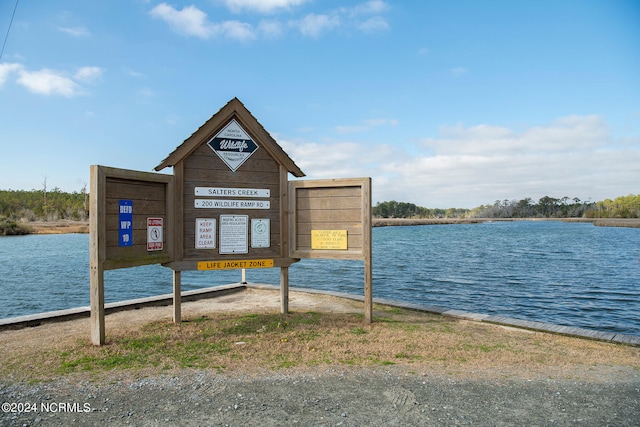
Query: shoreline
{"points": [[598, 222], [58, 227], [35, 320], [82, 227]]}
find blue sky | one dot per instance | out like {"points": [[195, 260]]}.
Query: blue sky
{"points": [[444, 104]]}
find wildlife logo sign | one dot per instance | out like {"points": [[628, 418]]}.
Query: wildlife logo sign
{"points": [[233, 145]]}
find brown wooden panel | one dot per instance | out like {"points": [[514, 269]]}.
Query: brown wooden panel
{"points": [[331, 205], [222, 178], [192, 254], [151, 198], [203, 168], [121, 189], [352, 215], [334, 203], [329, 192]]}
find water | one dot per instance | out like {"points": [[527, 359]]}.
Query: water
{"points": [[565, 273]]}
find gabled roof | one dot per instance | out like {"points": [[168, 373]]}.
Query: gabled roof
{"points": [[234, 108]]}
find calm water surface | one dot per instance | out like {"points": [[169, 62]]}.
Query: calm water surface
{"points": [[563, 273]]}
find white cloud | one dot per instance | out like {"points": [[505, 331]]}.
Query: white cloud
{"points": [[566, 134], [271, 29], [337, 159], [75, 31], [374, 25], [7, 69], [191, 21], [133, 73], [423, 51], [360, 16], [313, 25], [371, 7], [48, 82], [88, 74], [262, 6], [470, 166], [235, 30]]}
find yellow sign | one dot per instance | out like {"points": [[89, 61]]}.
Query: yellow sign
{"points": [[329, 239], [235, 264]]}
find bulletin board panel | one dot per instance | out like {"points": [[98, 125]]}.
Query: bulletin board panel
{"points": [[331, 218], [130, 217]]}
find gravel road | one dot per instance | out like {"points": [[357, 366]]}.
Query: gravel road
{"points": [[352, 397]]}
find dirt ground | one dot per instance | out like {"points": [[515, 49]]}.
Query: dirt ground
{"points": [[591, 394]]}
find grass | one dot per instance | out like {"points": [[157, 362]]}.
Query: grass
{"points": [[10, 227], [258, 342]]}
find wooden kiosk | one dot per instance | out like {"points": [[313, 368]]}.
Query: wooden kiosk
{"points": [[228, 205]]}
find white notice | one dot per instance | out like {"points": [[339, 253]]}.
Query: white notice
{"points": [[260, 233], [234, 234], [232, 192], [205, 233], [231, 204]]}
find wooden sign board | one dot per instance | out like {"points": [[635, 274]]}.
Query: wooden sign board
{"points": [[231, 174], [332, 219], [329, 210], [228, 205], [128, 213], [130, 210]]}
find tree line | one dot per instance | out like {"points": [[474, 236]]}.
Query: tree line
{"points": [[44, 205], [393, 209], [545, 207], [54, 204]]}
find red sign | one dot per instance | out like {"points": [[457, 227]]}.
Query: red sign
{"points": [[154, 234]]}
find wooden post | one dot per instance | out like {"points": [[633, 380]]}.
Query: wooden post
{"points": [[177, 296], [368, 291], [97, 245], [97, 305], [284, 290], [367, 251]]}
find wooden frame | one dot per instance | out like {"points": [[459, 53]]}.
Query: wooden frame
{"points": [[333, 204], [152, 195]]}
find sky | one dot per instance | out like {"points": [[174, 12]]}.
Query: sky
{"points": [[442, 103]]}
